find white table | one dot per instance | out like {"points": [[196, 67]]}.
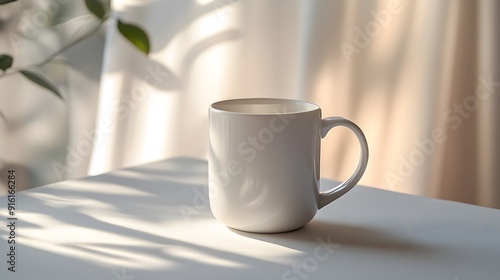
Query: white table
{"points": [[154, 222]]}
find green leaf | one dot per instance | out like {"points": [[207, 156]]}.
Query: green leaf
{"points": [[41, 81], [135, 35], [5, 61], [97, 7], [2, 2]]}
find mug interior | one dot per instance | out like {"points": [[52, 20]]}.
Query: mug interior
{"points": [[264, 106]]}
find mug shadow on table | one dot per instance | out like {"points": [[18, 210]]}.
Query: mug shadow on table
{"points": [[345, 235]]}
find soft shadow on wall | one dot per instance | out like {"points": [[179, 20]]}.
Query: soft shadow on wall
{"points": [[36, 127]]}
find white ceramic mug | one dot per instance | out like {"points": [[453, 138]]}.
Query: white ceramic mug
{"points": [[264, 163]]}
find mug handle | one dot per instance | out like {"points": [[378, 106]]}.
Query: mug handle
{"points": [[329, 196]]}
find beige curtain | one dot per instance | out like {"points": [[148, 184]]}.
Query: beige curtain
{"points": [[420, 77]]}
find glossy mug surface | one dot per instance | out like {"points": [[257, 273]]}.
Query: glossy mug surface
{"points": [[264, 162]]}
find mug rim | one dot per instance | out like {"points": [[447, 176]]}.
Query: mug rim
{"points": [[249, 101]]}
